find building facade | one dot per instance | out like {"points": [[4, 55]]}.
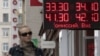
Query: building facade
{"points": [[6, 35]]}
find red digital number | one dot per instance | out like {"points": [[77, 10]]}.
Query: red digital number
{"points": [[80, 6], [95, 17], [63, 17], [48, 7], [66, 17], [66, 6], [53, 7], [95, 6], [63, 7], [48, 17], [60, 7], [60, 17], [55, 17], [81, 16]]}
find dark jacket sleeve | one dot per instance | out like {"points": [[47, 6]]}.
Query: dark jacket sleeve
{"points": [[39, 52], [11, 51], [16, 51]]}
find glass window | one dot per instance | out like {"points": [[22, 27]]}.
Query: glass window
{"points": [[5, 46], [20, 18], [5, 17], [5, 32], [20, 3], [5, 3]]}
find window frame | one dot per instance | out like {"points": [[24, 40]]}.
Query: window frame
{"points": [[5, 3], [5, 47], [20, 3], [20, 21], [5, 15], [6, 32], [84, 39]]}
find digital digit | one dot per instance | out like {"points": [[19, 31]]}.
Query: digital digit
{"points": [[48, 7], [95, 6], [81, 16], [83, 6], [53, 8], [80, 6], [60, 17], [95, 17], [63, 6], [66, 17], [66, 7], [48, 17], [60, 7], [63, 17]]}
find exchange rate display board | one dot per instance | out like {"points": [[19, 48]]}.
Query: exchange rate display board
{"points": [[71, 14]]}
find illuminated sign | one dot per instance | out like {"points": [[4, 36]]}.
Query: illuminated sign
{"points": [[71, 14]]}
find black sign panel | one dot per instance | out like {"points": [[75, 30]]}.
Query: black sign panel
{"points": [[71, 14]]}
